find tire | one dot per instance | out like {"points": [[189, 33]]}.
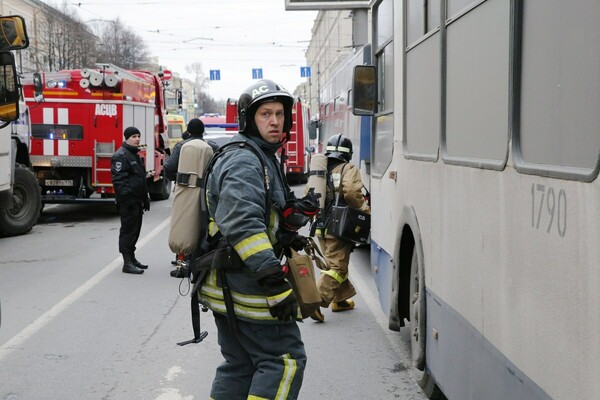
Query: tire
{"points": [[23, 215], [161, 190], [418, 330]]}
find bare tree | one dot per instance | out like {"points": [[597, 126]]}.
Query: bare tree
{"points": [[206, 103], [121, 46], [68, 43]]}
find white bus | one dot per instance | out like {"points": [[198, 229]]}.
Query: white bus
{"points": [[485, 160]]}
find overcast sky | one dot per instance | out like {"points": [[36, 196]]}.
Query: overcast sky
{"points": [[232, 36]]}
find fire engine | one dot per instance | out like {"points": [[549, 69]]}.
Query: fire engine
{"points": [[231, 115], [78, 121], [299, 147]]}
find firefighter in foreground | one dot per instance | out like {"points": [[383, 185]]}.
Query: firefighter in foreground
{"points": [[129, 181], [334, 286], [254, 307]]}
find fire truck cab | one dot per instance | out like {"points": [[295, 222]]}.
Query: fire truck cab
{"points": [[77, 123]]}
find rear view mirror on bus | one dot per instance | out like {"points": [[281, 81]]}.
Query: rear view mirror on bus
{"points": [[13, 34], [9, 92], [364, 90]]}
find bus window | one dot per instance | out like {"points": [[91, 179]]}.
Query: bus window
{"points": [[559, 118], [383, 139]]}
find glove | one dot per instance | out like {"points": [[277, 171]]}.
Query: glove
{"points": [[298, 212], [291, 239], [146, 206], [280, 297]]}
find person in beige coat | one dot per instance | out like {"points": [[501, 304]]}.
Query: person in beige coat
{"points": [[343, 179]]}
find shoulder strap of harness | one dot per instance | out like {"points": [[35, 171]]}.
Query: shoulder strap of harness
{"points": [[232, 146]]}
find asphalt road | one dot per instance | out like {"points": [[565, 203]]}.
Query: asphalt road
{"points": [[75, 327]]}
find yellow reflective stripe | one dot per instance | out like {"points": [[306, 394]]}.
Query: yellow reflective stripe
{"points": [[248, 306], [243, 299], [278, 298], [273, 222], [320, 232], [335, 275], [252, 245], [253, 397], [289, 371], [257, 314], [340, 149], [212, 227]]}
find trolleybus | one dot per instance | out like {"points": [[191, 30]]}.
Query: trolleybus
{"points": [[485, 160]]}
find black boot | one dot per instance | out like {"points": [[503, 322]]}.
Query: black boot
{"points": [[129, 266], [139, 264]]}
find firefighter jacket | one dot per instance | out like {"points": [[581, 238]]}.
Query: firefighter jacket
{"points": [[236, 204], [348, 175], [128, 174]]}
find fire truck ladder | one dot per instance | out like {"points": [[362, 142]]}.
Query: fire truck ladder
{"points": [[102, 150], [119, 71]]}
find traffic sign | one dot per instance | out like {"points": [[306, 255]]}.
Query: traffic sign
{"points": [[305, 72], [167, 75], [256, 73], [215, 74]]}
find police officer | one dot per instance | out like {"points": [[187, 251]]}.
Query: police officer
{"points": [[129, 181], [264, 353], [195, 130], [344, 178]]}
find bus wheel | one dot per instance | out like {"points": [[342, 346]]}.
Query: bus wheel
{"points": [[418, 331]]}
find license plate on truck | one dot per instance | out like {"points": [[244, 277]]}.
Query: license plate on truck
{"points": [[59, 182]]}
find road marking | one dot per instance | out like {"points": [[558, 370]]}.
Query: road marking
{"points": [[17, 341]]}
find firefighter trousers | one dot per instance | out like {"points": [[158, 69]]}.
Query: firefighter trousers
{"points": [[334, 284], [261, 361], [131, 224]]}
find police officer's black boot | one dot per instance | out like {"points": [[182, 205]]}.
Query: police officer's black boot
{"points": [[128, 265], [139, 264]]}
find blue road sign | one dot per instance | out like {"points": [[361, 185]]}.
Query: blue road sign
{"points": [[215, 74], [305, 72], [256, 73]]}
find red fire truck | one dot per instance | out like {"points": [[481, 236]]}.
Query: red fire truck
{"points": [[298, 149], [300, 146], [231, 115], [77, 123]]}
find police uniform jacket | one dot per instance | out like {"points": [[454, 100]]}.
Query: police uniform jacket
{"points": [[128, 174], [236, 203]]}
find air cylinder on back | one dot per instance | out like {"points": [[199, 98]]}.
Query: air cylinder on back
{"points": [[185, 214], [318, 177]]}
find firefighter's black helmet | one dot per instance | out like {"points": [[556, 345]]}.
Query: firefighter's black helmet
{"points": [[340, 147], [260, 92]]}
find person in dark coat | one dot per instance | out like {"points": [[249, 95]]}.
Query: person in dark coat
{"points": [[131, 191], [195, 129]]}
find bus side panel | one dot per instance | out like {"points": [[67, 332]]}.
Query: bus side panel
{"points": [[477, 369]]}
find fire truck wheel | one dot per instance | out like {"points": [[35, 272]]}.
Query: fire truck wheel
{"points": [[27, 202], [161, 189]]}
